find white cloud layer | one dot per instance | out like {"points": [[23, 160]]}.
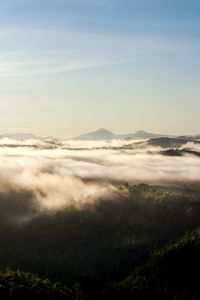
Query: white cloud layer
{"points": [[59, 174]]}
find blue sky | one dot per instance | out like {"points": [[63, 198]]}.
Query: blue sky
{"points": [[69, 66]]}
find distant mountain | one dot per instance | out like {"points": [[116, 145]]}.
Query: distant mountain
{"points": [[196, 137], [19, 136], [100, 134], [104, 134], [24, 136], [166, 142], [146, 135]]}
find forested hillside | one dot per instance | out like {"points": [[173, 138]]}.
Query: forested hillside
{"points": [[99, 245]]}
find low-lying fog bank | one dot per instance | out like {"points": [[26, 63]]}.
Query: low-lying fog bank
{"points": [[61, 173]]}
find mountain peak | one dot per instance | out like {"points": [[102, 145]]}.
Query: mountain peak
{"points": [[99, 134], [102, 131], [104, 134], [141, 134]]}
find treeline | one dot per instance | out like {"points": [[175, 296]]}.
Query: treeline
{"points": [[19, 285]]}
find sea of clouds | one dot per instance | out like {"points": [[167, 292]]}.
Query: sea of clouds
{"points": [[63, 173]]}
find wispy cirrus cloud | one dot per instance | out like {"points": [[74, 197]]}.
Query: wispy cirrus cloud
{"points": [[28, 52]]}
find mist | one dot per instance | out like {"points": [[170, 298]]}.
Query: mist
{"points": [[57, 174]]}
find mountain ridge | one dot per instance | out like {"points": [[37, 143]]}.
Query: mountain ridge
{"points": [[25, 136], [103, 133], [99, 134]]}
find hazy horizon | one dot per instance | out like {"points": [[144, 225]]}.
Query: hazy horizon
{"points": [[79, 133]]}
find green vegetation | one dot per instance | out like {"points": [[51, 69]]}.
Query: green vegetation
{"points": [[20, 285], [111, 249], [171, 273]]}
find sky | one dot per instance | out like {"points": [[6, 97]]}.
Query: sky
{"points": [[72, 66]]}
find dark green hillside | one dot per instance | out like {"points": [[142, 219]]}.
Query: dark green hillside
{"points": [[171, 273], [102, 243], [19, 285]]}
